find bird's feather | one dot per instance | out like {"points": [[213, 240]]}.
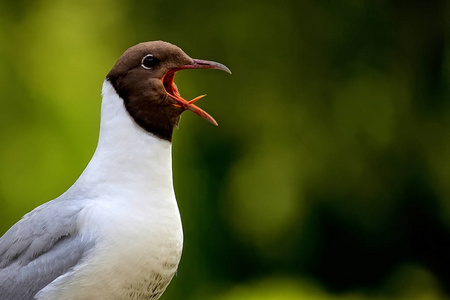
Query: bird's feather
{"points": [[39, 248]]}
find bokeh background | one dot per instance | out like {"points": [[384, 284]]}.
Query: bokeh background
{"points": [[329, 174]]}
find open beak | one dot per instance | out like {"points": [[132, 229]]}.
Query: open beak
{"points": [[173, 93]]}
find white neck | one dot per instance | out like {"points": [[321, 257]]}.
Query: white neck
{"points": [[127, 158], [129, 210]]}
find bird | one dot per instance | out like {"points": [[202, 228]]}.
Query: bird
{"points": [[116, 233]]}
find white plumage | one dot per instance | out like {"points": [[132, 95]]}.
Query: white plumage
{"points": [[142, 235]]}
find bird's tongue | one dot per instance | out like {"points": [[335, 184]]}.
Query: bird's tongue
{"points": [[173, 93]]}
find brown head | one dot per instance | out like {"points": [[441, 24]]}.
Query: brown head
{"points": [[143, 78]]}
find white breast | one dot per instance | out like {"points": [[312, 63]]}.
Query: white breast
{"points": [[136, 258]]}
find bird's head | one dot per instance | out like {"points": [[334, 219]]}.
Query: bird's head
{"points": [[144, 78]]}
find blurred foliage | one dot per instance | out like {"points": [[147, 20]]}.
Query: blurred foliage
{"points": [[329, 175]]}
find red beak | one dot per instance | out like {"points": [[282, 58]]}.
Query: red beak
{"points": [[173, 93]]}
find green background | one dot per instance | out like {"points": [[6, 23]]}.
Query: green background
{"points": [[329, 174]]}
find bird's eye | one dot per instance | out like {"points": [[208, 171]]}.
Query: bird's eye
{"points": [[149, 62]]}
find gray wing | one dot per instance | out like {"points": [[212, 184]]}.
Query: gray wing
{"points": [[43, 245]]}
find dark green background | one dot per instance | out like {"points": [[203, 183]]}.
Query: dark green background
{"points": [[329, 174]]}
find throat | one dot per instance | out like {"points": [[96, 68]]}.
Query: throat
{"points": [[147, 103], [127, 157]]}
